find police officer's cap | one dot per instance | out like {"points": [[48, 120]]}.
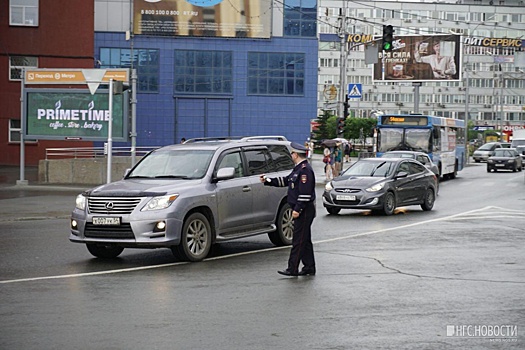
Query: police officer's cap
{"points": [[297, 148]]}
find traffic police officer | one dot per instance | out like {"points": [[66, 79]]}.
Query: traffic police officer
{"points": [[301, 197]]}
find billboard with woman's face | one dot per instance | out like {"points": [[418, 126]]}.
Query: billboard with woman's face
{"points": [[421, 58], [203, 18]]}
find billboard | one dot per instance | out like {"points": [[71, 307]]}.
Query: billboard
{"points": [[420, 58], [203, 18], [60, 114]]}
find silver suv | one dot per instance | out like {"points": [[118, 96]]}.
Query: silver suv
{"points": [[188, 196]]}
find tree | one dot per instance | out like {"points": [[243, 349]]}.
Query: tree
{"points": [[326, 128], [356, 128]]}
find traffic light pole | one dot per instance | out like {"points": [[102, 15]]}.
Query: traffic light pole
{"points": [[343, 59]]}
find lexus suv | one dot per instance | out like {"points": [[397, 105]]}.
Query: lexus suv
{"points": [[188, 196]]}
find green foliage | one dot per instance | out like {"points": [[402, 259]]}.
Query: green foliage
{"points": [[355, 128], [326, 129]]}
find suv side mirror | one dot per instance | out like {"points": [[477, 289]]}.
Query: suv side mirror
{"points": [[225, 174]]}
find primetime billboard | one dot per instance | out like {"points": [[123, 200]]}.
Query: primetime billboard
{"points": [[203, 18], [421, 58], [58, 114]]}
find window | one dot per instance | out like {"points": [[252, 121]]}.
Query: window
{"points": [[145, 61], [17, 63], [257, 162], [232, 160], [14, 130], [203, 72], [300, 18], [281, 158], [23, 13], [275, 73]]}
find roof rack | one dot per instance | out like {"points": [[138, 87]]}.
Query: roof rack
{"points": [[270, 137], [211, 139], [238, 138]]}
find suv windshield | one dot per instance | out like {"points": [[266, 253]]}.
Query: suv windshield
{"points": [[174, 163]]}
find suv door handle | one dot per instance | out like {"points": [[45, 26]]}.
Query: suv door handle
{"points": [[246, 189]]}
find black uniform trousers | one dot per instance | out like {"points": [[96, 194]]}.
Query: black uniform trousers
{"points": [[302, 247]]}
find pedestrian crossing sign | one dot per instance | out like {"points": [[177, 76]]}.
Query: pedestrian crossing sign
{"points": [[355, 90]]}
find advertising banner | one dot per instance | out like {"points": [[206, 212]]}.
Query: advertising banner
{"points": [[203, 18], [59, 114], [421, 58]]}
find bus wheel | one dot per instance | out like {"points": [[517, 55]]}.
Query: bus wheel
{"points": [[455, 173]]}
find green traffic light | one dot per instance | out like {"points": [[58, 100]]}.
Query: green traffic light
{"points": [[387, 46]]}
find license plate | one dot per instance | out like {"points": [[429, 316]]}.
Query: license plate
{"points": [[106, 221], [500, 164], [344, 197]]}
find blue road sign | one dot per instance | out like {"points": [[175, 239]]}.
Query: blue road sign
{"points": [[355, 90]]}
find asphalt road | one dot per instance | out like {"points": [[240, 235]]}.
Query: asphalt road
{"points": [[415, 280]]}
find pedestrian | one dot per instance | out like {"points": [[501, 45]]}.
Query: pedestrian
{"points": [[309, 151], [301, 197], [182, 140], [347, 152], [338, 159], [327, 160]]}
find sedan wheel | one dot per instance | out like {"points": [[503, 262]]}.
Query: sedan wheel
{"points": [[428, 202], [104, 251], [195, 241], [389, 204], [284, 233]]}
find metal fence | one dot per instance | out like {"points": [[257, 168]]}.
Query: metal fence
{"points": [[94, 152]]}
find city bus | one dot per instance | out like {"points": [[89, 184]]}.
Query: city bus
{"points": [[443, 139]]}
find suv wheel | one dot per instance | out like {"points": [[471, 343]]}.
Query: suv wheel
{"points": [[284, 233], [104, 251], [195, 241]]}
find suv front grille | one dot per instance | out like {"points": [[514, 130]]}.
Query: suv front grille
{"points": [[112, 205], [122, 231]]}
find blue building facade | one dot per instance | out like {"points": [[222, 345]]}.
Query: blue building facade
{"points": [[212, 87]]}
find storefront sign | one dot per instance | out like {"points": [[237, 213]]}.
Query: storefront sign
{"points": [[58, 114]]}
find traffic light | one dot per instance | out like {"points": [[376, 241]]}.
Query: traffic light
{"points": [[345, 109], [340, 126], [388, 37]]}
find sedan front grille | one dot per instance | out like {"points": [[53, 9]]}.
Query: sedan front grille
{"points": [[112, 205], [347, 190]]}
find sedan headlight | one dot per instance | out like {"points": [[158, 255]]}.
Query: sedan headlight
{"points": [[376, 187], [162, 202], [328, 187], [80, 202], [511, 160]]}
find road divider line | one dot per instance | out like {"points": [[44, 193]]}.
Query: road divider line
{"points": [[131, 269]]}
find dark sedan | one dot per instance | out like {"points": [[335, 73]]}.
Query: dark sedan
{"points": [[421, 157], [381, 184], [504, 159]]}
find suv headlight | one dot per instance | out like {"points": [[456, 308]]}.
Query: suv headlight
{"points": [[376, 187], [80, 202], [162, 202]]}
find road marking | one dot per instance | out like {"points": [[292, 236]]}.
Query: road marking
{"points": [[386, 230]]}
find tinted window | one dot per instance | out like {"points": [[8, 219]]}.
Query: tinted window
{"points": [[281, 158], [416, 168], [257, 161]]}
